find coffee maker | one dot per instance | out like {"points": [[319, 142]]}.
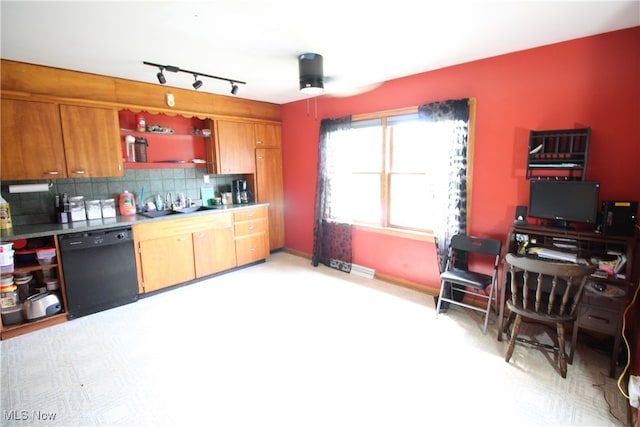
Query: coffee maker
{"points": [[239, 190]]}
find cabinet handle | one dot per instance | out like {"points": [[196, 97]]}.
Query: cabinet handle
{"points": [[260, 157], [602, 319], [251, 227], [79, 172], [200, 235], [252, 250], [52, 173], [250, 215], [258, 142], [182, 239]]}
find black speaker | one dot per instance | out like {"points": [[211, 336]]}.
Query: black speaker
{"points": [[521, 215], [619, 217]]}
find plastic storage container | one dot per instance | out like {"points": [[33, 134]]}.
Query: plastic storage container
{"points": [[6, 261], [76, 205], [127, 204], [46, 255], [93, 209], [108, 208], [12, 315]]}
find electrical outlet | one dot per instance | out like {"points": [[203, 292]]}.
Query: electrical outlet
{"points": [[206, 179], [634, 391]]}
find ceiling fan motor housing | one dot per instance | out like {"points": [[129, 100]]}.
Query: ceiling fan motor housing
{"points": [[311, 73]]}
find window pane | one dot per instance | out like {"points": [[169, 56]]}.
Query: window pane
{"points": [[365, 198], [410, 197], [366, 145], [410, 148]]}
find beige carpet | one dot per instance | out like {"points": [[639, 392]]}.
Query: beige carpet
{"points": [[285, 344]]}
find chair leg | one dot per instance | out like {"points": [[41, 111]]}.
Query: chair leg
{"points": [[486, 313], [507, 324], [512, 340], [439, 299], [561, 350]]}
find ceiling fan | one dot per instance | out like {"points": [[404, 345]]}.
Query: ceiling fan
{"points": [[314, 82]]}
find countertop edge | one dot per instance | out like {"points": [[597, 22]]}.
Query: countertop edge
{"points": [[42, 230]]}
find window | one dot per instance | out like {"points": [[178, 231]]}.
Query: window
{"points": [[385, 171]]}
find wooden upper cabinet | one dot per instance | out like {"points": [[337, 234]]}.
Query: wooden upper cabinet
{"points": [[42, 140], [267, 135], [232, 148], [92, 141], [31, 144]]}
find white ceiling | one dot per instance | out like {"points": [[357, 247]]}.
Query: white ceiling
{"points": [[258, 41]]}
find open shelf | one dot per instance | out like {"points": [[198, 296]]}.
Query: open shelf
{"points": [[559, 154]]}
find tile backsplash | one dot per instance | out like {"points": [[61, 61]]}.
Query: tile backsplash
{"points": [[38, 208]]}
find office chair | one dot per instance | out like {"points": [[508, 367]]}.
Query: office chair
{"points": [[544, 291], [464, 281]]}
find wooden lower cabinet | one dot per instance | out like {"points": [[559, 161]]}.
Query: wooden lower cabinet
{"points": [[213, 247], [174, 251], [166, 261], [252, 235]]}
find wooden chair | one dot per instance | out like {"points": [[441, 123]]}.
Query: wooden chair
{"points": [[547, 292], [465, 281]]}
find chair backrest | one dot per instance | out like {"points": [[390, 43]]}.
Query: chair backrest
{"points": [[462, 245], [476, 244], [547, 288]]}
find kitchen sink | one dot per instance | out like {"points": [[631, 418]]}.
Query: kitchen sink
{"points": [[156, 214]]}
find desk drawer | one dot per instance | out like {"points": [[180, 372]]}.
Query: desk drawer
{"points": [[599, 320]]}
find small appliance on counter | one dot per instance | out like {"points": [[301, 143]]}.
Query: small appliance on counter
{"points": [[240, 193]]}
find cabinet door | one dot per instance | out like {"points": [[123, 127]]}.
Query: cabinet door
{"points": [[267, 135], [269, 190], [92, 141], [234, 143], [212, 250], [31, 145], [166, 261]]}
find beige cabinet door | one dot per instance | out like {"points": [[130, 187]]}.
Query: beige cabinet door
{"points": [[31, 141], [212, 250], [166, 261], [234, 145], [269, 190], [92, 141]]}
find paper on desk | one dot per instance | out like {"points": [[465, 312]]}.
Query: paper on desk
{"points": [[557, 255]]}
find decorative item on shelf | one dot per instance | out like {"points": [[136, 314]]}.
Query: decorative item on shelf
{"points": [[159, 129], [141, 123], [141, 145]]}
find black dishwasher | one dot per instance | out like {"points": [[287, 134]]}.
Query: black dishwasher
{"points": [[99, 270]]}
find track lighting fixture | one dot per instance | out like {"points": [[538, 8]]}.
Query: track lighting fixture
{"points": [[197, 84], [161, 77], [311, 73]]}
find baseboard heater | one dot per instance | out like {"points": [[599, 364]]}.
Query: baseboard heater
{"points": [[359, 270]]}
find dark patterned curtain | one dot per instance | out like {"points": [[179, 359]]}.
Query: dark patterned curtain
{"points": [[331, 237], [450, 196]]}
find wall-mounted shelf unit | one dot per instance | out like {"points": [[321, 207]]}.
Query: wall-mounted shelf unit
{"points": [[177, 147], [558, 154]]}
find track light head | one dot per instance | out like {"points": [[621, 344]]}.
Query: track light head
{"points": [[198, 83], [161, 77], [234, 88]]}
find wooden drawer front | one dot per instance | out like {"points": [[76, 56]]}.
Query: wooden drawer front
{"points": [[604, 302], [250, 214], [250, 227], [598, 319], [252, 248]]}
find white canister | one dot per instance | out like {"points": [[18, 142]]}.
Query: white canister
{"points": [[93, 209]]}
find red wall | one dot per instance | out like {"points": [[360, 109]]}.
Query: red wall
{"points": [[593, 81]]}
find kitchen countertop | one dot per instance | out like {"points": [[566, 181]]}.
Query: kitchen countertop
{"points": [[48, 229]]}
